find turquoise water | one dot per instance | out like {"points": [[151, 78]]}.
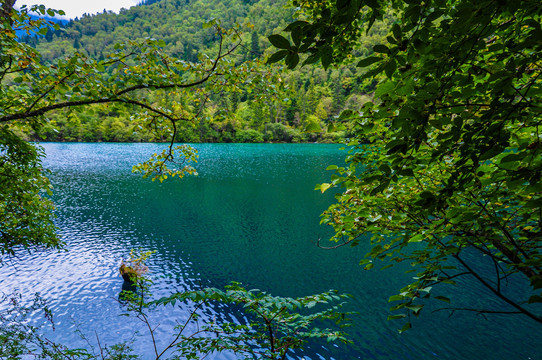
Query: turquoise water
{"points": [[252, 215]]}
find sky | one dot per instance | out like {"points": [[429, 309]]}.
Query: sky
{"points": [[76, 8]]}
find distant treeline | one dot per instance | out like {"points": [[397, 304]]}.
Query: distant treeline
{"points": [[307, 100]]}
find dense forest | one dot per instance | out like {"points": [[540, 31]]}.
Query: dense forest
{"points": [[298, 109]]}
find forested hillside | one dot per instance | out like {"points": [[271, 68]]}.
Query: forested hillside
{"points": [[293, 106]]}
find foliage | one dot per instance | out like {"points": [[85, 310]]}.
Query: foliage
{"points": [[445, 167], [15, 339], [21, 335], [161, 165], [271, 327], [274, 328], [248, 136], [19, 339], [25, 214]]}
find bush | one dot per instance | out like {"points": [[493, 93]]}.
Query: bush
{"points": [[277, 132], [333, 137], [248, 136]]}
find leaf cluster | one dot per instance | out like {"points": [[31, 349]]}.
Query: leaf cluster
{"points": [[273, 327], [446, 161], [26, 219]]}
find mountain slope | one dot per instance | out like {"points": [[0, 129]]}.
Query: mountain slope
{"points": [[306, 98], [177, 22]]}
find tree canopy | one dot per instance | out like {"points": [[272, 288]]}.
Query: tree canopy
{"points": [[444, 168]]}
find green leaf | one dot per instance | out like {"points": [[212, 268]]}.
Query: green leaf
{"points": [[347, 114], [313, 127], [415, 308], [533, 204], [384, 88], [327, 56], [209, 23], [400, 316], [292, 59], [381, 49], [296, 25], [324, 187], [417, 238], [406, 88], [405, 327], [279, 55], [385, 169], [297, 36], [390, 68], [279, 41], [396, 298], [312, 59], [368, 61], [396, 29], [405, 172]]}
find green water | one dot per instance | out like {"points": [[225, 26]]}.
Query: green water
{"points": [[251, 215]]}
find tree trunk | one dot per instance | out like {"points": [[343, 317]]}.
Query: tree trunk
{"points": [[5, 11]]}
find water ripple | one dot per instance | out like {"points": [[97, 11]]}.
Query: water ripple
{"points": [[252, 216]]}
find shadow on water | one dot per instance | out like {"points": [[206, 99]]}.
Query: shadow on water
{"points": [[127, 286]]}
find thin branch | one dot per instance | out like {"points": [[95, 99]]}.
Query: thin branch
{"points": [[336, 246], [479, 311], [145, 320], [3, 74], [49, 90], [99, 345], [179, 333], [496, 292], [116, 97]]}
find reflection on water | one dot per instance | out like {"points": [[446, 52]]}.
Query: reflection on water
{"points": [[251, 216]]}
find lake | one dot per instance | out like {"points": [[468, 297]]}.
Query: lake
{"points": [[252, 215]]}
